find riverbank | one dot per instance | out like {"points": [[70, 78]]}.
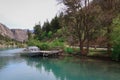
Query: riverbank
{"points": [[96, 56], [76, 56]]}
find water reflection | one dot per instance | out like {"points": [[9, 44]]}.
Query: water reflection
{"points": [[7, 55], [10, 52], [70, 70]]}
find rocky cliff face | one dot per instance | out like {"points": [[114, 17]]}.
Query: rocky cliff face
{"points": [[20, 35], [6, 32], [16, 34]]}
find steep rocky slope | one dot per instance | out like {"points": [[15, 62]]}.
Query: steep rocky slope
{"points": [[16, 34], [6, 32], [20, 35]]}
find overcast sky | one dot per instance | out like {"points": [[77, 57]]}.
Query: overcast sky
{"points": [[25, 13]]}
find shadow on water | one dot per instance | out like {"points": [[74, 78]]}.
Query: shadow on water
{"points": [[69, 69]]}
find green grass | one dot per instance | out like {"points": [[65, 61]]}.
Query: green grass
{"points": [[69, 50], [94, 52]]}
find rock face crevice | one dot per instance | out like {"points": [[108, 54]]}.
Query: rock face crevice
{"points": [[16, 34]]}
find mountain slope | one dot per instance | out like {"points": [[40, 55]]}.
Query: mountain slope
{"points": [[20, 35], [6, 32], [16, 34]]}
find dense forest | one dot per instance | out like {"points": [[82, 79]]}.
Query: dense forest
{"points": [[85, 27]]}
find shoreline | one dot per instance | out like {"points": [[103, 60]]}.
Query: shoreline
{"points": [[101, 58]]}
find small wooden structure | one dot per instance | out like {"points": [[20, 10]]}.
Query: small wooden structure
{"points": [[41, 53], [35, 52]]}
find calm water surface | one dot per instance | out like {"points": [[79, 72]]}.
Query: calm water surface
{"points": [[13, 67]]}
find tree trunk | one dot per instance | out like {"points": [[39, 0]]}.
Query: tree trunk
{"points": [[81, 48], [87, 46], [108, 40], [109, 48], [88, 41]]}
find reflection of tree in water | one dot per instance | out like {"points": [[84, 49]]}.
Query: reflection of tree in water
{"points": [[77, 70]]}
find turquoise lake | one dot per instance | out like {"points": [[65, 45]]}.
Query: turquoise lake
{"points": [[14, 67]]}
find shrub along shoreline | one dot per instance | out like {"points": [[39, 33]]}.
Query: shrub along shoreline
{"points": [[71, 51]]}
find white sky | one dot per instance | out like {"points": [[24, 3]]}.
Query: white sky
{"points": [[24, 14]]}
